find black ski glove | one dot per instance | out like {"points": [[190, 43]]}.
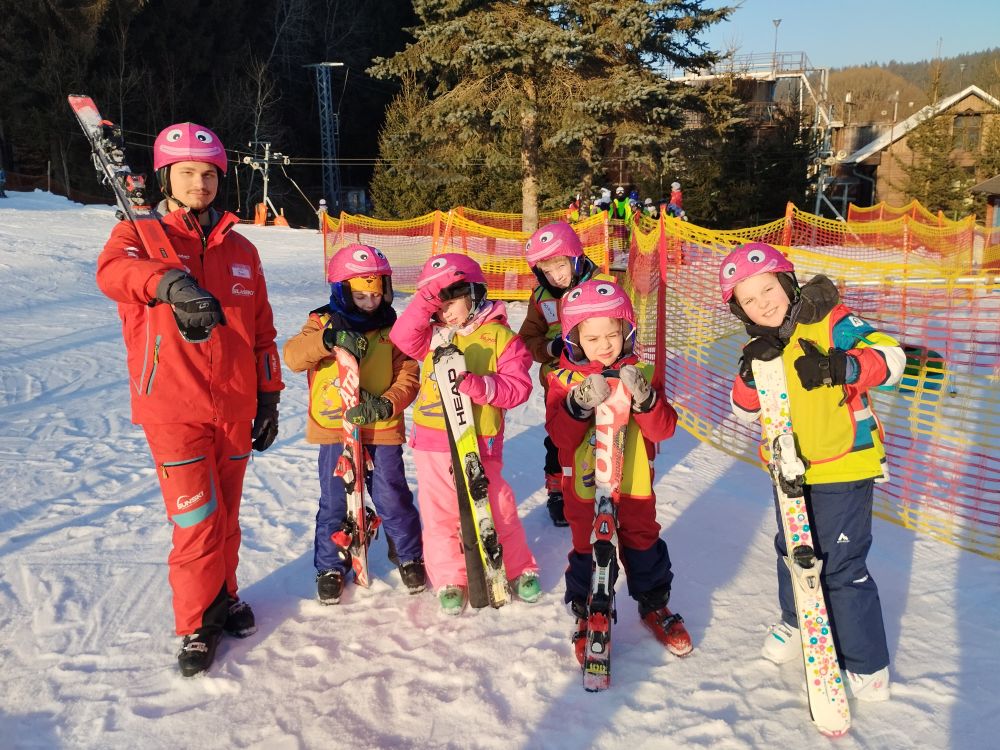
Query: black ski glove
{"points": [[765, 348], [265, 423], [554, 347], [816, 369], [193, 306], [372, 409], [354, 342]]}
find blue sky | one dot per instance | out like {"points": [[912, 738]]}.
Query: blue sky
{"points": [[853, 32]]}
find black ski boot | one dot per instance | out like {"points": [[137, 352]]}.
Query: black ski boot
{"points": [[414, 576], [555, 506], [329, 586], [393, 557], [240, 621], [198, 651]]}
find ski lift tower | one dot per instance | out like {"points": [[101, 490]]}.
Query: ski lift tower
{"points": [[329, 132]]}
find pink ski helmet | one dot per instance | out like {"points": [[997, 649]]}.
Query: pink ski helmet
{"points": [[186, 141], [594, 299], [750, 260], [367, 266], [444, 270], [551, 241], [357, 260], [452, 275]]}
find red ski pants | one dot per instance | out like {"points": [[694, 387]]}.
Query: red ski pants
{"points": [[201, 468]]}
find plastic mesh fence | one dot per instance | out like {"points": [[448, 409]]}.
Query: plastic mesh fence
{"points": [[927, 284]]}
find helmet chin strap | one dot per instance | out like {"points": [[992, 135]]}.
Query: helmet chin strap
{"points": [[203, 216]]}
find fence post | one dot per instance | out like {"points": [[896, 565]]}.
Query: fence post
{"points": [[436, 235], [607, 243], [324, 230], [660, 355], [786, 233], [447, 230]]}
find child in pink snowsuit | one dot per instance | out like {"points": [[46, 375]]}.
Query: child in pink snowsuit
{"points": [[451, 293]]}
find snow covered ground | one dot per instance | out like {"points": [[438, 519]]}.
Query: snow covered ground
{"points": [[87, 652]]}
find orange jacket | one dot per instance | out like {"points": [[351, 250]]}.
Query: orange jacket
{"points": [[305, 352], [170, 379]]}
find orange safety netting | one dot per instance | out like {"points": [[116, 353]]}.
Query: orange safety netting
{"points": [[953, 245], [884, 212], [510, 222], [500, 252], [925, 285], [942, 421]]}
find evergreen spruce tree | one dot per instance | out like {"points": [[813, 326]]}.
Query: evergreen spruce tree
{"points": [[578, 78], [930, 174], [988, 163]]}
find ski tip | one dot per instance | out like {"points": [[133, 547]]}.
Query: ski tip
{"points": [[834, 733], [596, 683]]}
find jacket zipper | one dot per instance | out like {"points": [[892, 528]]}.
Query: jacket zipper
{"points": [[156, 361], [172, 464]]}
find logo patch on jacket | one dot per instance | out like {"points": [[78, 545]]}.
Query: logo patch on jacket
{"points": [[240, 271], [241, 291], [185, 501]]}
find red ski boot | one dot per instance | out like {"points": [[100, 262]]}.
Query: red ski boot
{"points": [[669, 630]]}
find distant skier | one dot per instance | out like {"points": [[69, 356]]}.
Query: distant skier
{"points": [[201, 405], [675, 207]]}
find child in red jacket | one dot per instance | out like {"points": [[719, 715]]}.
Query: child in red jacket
{"points": [[598, 329]]}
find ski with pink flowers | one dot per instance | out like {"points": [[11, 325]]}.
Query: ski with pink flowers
{"points": [[824, 682]]}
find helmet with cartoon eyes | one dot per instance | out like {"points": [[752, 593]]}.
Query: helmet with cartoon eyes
{"points": [[552, 241], [356, 260], [594, 299], [750, 260], [186, 141], [442, 270]]}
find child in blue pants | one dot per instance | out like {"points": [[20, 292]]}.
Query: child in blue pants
{"points": [[358, 320], [831, 358]]}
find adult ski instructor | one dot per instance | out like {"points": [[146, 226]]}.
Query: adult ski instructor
{"points": [[204, 376]]}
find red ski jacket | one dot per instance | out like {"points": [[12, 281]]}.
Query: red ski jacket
{"points": [[170, 379]]}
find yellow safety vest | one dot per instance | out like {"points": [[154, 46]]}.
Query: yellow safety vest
{"points": [[325, 406], [482, 348]]}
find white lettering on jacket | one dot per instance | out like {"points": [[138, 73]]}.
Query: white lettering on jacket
{"points": [[184, 501]]}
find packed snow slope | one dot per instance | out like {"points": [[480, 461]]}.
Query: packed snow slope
{"points": [[87, 649]]}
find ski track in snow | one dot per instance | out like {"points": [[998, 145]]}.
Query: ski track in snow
{"points": [[86, 641]]}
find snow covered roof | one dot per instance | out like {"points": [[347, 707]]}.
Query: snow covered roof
{"points": [[989, 187], [904, 127]]}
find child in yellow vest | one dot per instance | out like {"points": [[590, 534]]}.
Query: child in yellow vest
{"points": [[358, 319], [555, 255], [451, 293], [599, 334], [831, 358]]}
